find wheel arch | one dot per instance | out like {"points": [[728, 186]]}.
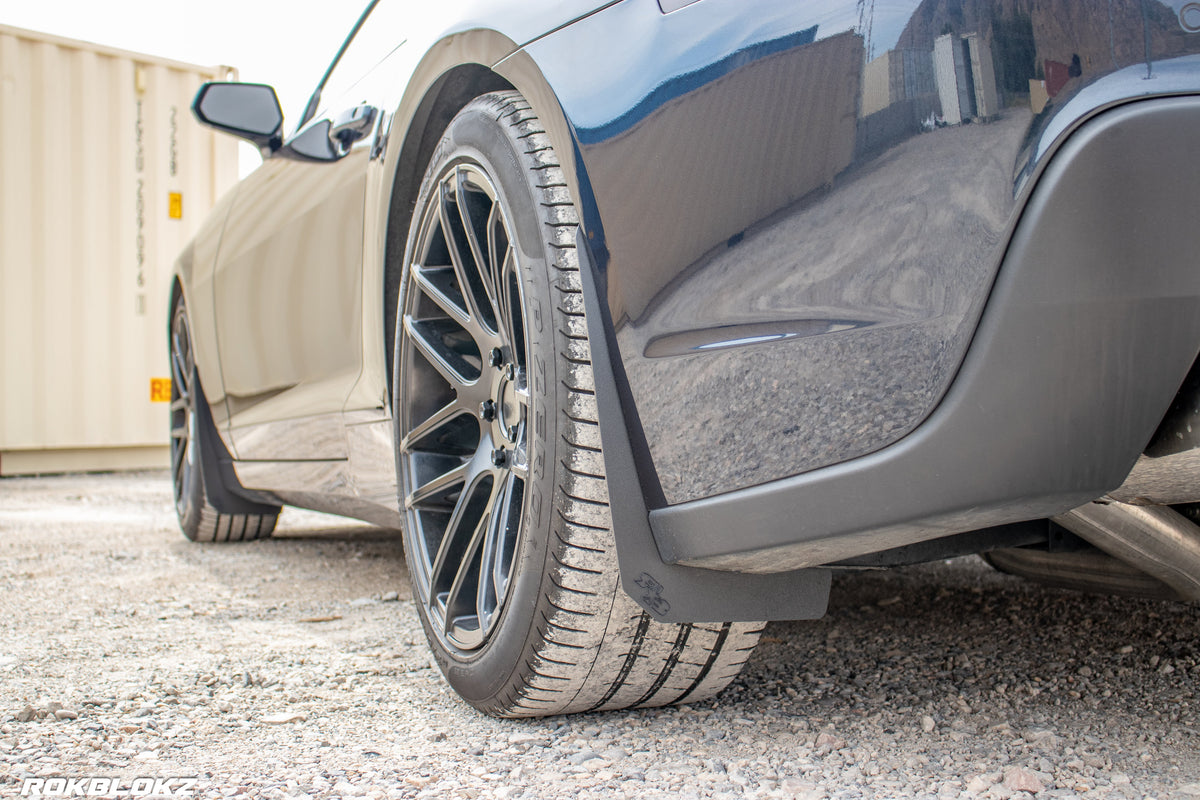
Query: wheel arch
{"points": [[453, 73]]}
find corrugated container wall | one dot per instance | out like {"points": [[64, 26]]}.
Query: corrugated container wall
{"points": [[945, 73], [987, 98], [876, 91], [104, 176]]}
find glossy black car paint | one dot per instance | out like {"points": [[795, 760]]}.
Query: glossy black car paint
{"points": [[809, 323], [789, 262], [1090, 329], [806, 287]]}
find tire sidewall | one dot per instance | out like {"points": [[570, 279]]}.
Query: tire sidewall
{"points": [[475, 136]]}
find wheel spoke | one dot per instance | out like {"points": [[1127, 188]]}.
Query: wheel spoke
{"points": [[484, 265], [469, 278], [432, 281], [494, 257], [463, 577], [438, 486], [496, 562], [182, 350], [485, 586], [427, 338], [178, 349], [179, 455], [181, 478], [180, 371], [439, 418], [449, 538], [461, 195], [513, 321], [451, 567]]}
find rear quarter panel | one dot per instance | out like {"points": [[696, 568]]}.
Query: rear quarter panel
{"points": [[794, 239]]}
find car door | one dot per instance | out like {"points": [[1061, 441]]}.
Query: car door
{"points": [[288, 294]]}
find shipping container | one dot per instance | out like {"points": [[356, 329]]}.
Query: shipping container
{"points": [[947, 57], [104, 176], [876, 87], [987, 99], [918, 73], [1038, 96], [965, 77], [896, 76]]}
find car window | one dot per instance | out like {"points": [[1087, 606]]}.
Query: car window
{"points": [[380, 37]]}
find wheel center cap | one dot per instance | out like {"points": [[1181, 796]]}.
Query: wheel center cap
{"points": [[508, 409]]}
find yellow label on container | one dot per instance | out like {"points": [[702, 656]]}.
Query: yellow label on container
{"points": [[175, 205], [160, 390]]}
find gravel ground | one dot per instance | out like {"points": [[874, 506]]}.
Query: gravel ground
{"points": [[296, 667]]}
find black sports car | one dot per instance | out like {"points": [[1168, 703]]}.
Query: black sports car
{"points": [[640, 317]]}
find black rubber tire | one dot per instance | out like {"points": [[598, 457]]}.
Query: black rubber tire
{"points": [[567, 638], [193, 463]]}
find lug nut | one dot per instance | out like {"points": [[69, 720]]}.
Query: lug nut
{"points": [[499, 457], [487, 410], [496, 358], [510, 372]]}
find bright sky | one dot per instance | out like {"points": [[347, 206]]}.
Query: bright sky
{"points": [[287, 45]]}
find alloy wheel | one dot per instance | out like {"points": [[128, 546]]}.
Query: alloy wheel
{"points": [[183, 411], [463, 407]]}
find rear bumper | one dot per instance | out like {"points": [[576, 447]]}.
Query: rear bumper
{"points": [[1089, 331]]}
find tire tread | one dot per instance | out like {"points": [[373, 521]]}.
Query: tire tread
{"points": [[213, 526]]}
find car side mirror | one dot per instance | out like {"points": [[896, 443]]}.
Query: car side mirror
{"points": [[248, 110]]}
